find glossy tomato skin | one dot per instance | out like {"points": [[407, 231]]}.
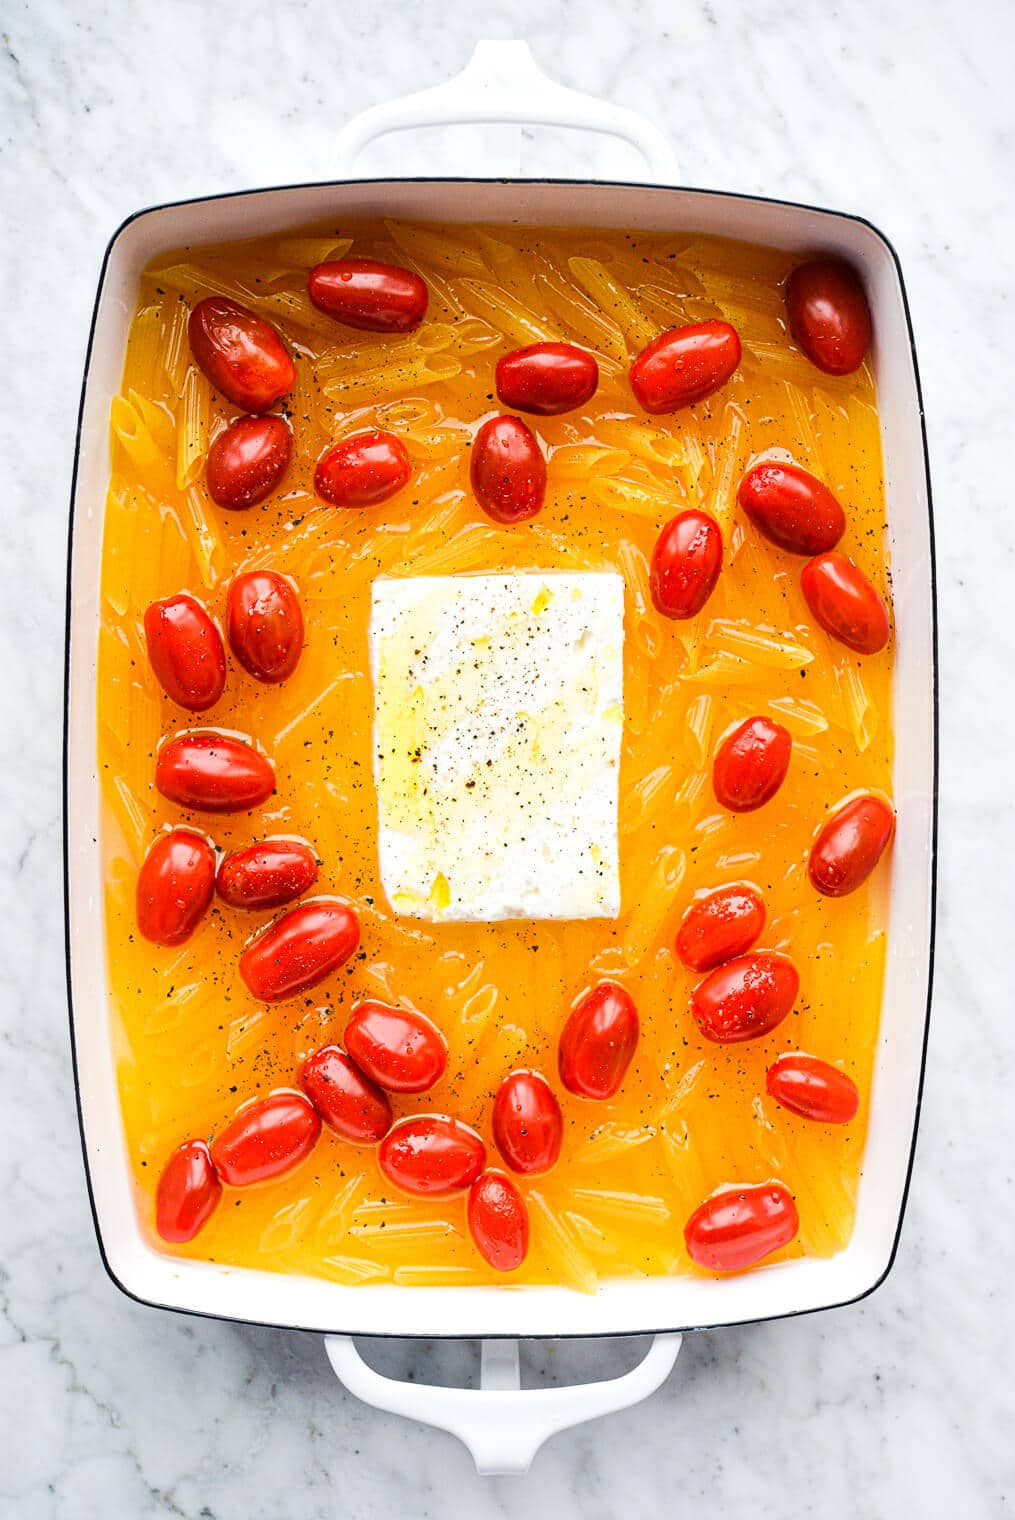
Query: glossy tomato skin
{"points": [[528, 1126], [498, 1221], [242, 354], [598, 1041], [685, 564], [185, 651], [267, 874], [432, 1155], [174, 887], [363, 470], [398, 1048], [850, 844], [188, 1192], [813, 1089], [248, 461], [507, 470], [546, 378], [745, 998], [266, 1139], [298, 950], [845, 603], [828, 315], [684, 365], [365, 294], [791, 507], [721, 925], [737, 1228], [264, 621], [347, 1101], [213, 773], [750, 764]]}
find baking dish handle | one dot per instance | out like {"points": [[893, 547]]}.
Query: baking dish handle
{"points": [[503, 84], [501, 1423]]}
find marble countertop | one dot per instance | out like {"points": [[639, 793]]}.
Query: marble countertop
{"points": [[898, 110]]}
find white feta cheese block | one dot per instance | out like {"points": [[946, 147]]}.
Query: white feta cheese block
{"points": [[498, 720]]}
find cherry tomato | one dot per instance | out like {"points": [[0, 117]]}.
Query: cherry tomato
{"points": [[790, 506], [248, 460], [185, 650], [750, 764], [266, 1139], [432, 1155], [813, 1089], [528, 1125], [746, 997], [845, 603], [267, 874], [213, 773], [720, 925], [364, 294], [828, 315], [347, 1101], [849, 845], [498, 1221], [737, 1227], [299, 950], [188, 1192], [684, 365], [265, 625], [546, 378], [174, 886], [598, 1041], [363, 470], [398, 1048], [685, 564], [242, 354], [508, 471]]}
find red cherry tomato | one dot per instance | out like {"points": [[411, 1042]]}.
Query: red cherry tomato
{"points": [[684, 365], [828, 315], [598, 1041], [736, 1228], [546, 378], [363, 470], [265, 625], [508, 471], [185, 650], [685, 564], [299, 950], [213, 773], [267, 874], [813, 1089], [745, 998], [188, 1192], [364, 294], [242, 354], [174, 886], [432, 1155], [721, 925], [266, 1139], [398, 1048], [498, 1221], [247, 461], [750, 765], [790, 506], [849, 845], [528, 1126], [347, 1101], [845, 603]]}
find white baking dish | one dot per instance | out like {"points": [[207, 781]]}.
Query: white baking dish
{"points": [[504, 1434]]}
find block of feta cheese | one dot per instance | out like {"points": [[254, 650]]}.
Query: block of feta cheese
{"points": [[498, 720]]}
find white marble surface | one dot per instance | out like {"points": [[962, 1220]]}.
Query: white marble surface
{"points": [[899, 109]]}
